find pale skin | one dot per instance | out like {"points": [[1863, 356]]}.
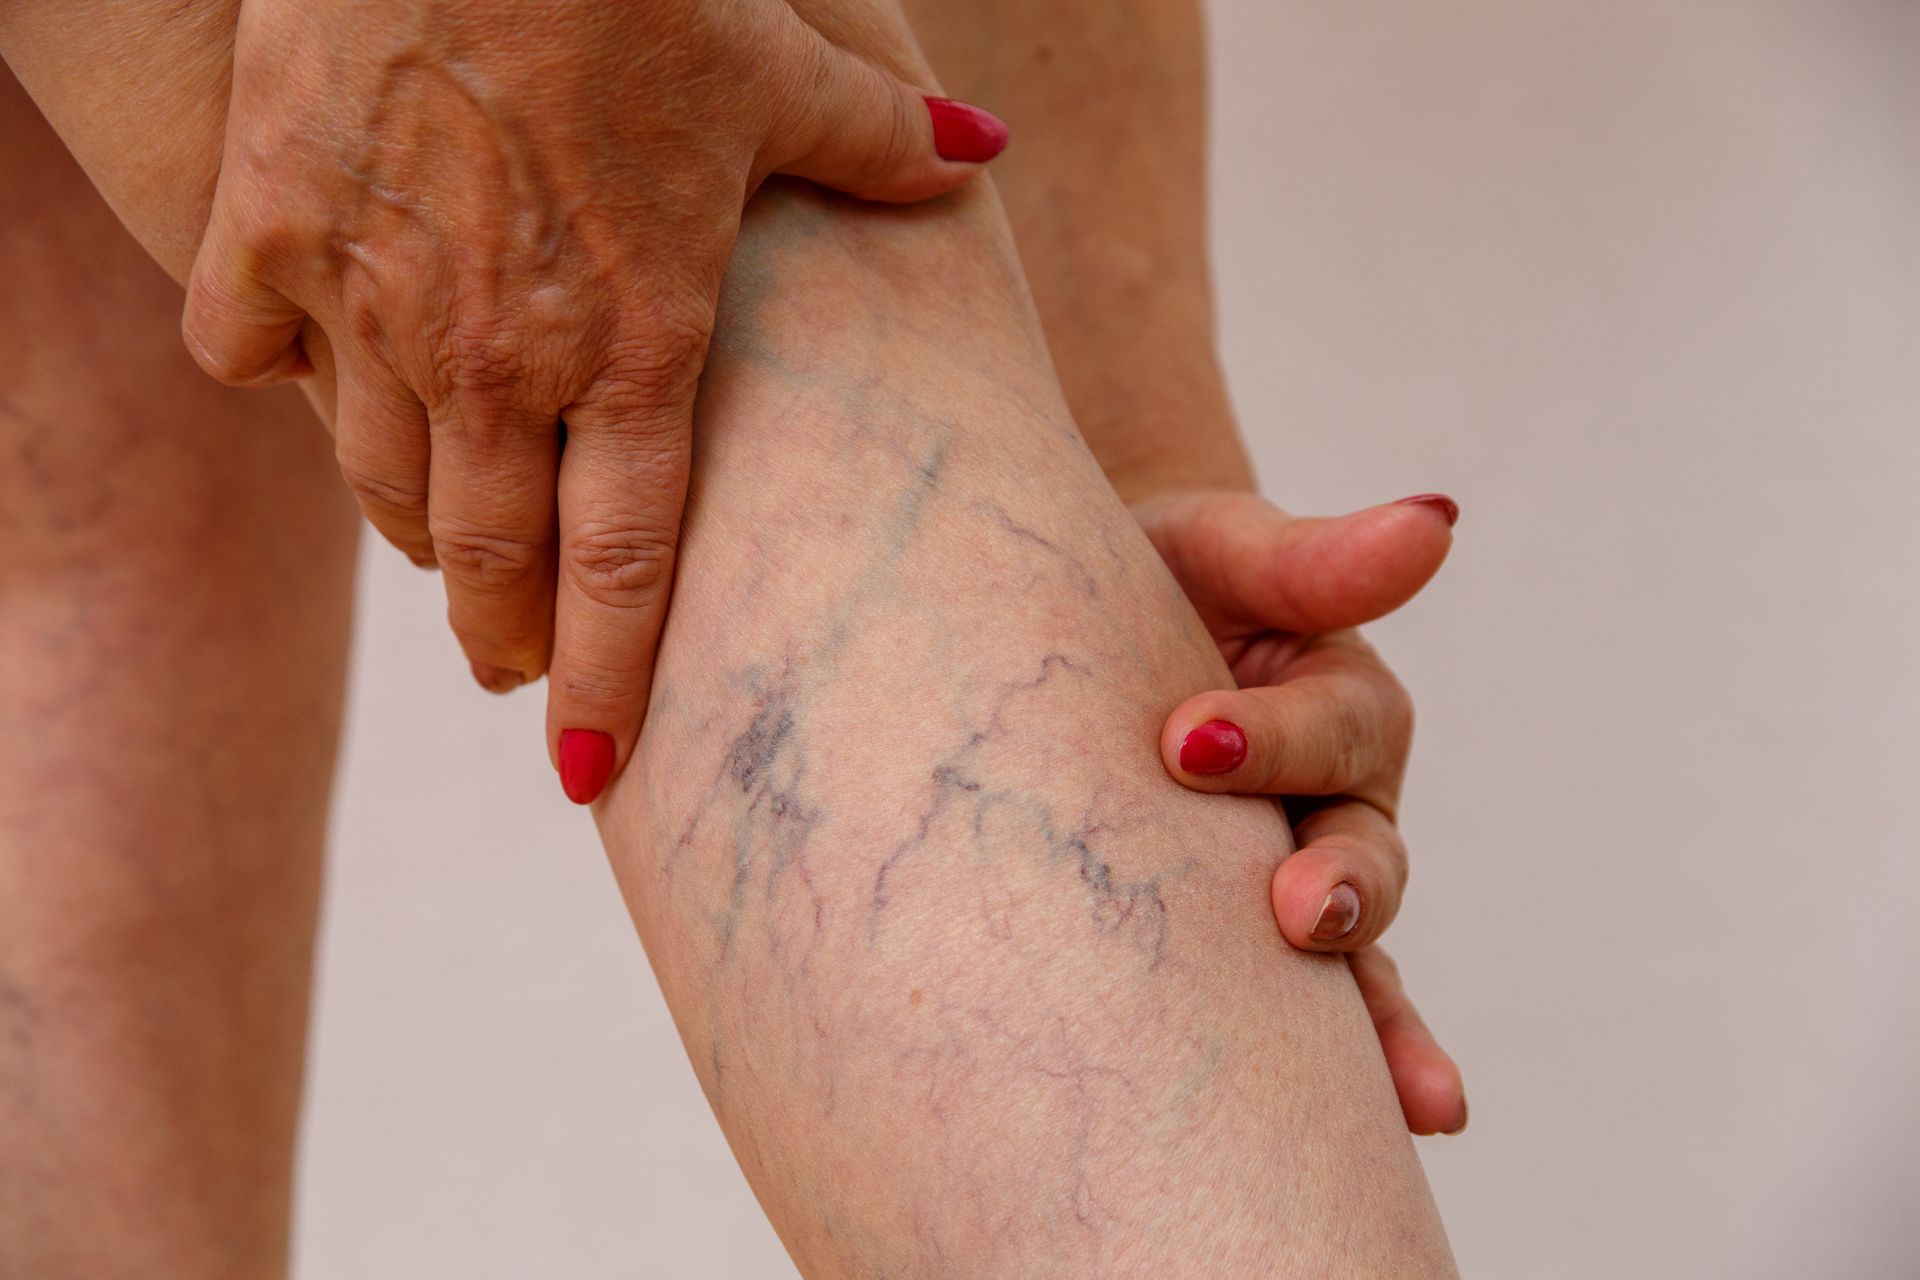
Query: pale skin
{"points": [[1124, 291], [924, 247], [1017, 1007]]}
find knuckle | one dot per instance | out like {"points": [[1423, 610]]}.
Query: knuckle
{"points": [[264, 245], [214, 339], [494, 427], [385, 496], [484, 561], [621, 568], [897, 140], [1369, 847], [480, 359], [223, 364], [273, 234], [1394, 707], [655, 368], [240, 319], [587, 684], [1341, 749], [367, 314], [903, 135], [1399, 719], [1399, 866]]}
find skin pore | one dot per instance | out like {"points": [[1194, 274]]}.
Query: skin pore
{"points": [[966, 1001]]}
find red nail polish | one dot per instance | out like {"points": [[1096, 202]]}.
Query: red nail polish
{"points": [[1462, 1126], [1338, 914], [586, 762], [965, 132], [1218, 746], [1438, 501]]}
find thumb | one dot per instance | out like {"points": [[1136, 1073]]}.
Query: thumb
{"points": [[240, 329], [1241, 558], [870, 134]]}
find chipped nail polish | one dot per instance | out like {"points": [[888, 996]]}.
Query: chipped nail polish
{"points": [[1338, 914]]}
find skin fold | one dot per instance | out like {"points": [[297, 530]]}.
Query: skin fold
{"points": [[965, 1001]]}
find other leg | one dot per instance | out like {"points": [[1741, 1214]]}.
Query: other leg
{"points": [[176, 568]]}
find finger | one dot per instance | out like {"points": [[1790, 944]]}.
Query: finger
{"points": [[851, 126], [1337, 722], [1427, 1080], [491, 511], [1341, 888], [1241, 557], [623, 485], [238, 328], [381, 443]]}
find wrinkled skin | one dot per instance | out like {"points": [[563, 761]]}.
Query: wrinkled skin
{"points": [[484, 219]]}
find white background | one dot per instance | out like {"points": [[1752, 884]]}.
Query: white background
{"points": [[1637, 283]]}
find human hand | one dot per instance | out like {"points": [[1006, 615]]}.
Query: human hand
{"points": [[1318, 716], [490, 220]]}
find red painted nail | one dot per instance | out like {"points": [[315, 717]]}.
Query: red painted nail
{"points": [[586, 762], [1438, 501], [1462, 1126], [1338, 914], [965, 132], [1218, 746]]}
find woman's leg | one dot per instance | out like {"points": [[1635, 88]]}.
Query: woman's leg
{"points": [[175, 589], [975, 989]]}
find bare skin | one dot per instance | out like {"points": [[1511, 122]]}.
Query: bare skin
{"points": [[1122, 284], [1015, 998], [1109, 96], [494, 217], [1297, 1078], [173, 561], [1124, 288]]}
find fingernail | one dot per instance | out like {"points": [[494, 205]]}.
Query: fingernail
{"points": [[1462, 1126], [965, 132], [1438, 501], [1338, 914], [1218, 746], [586, 762], [496, 679]]}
